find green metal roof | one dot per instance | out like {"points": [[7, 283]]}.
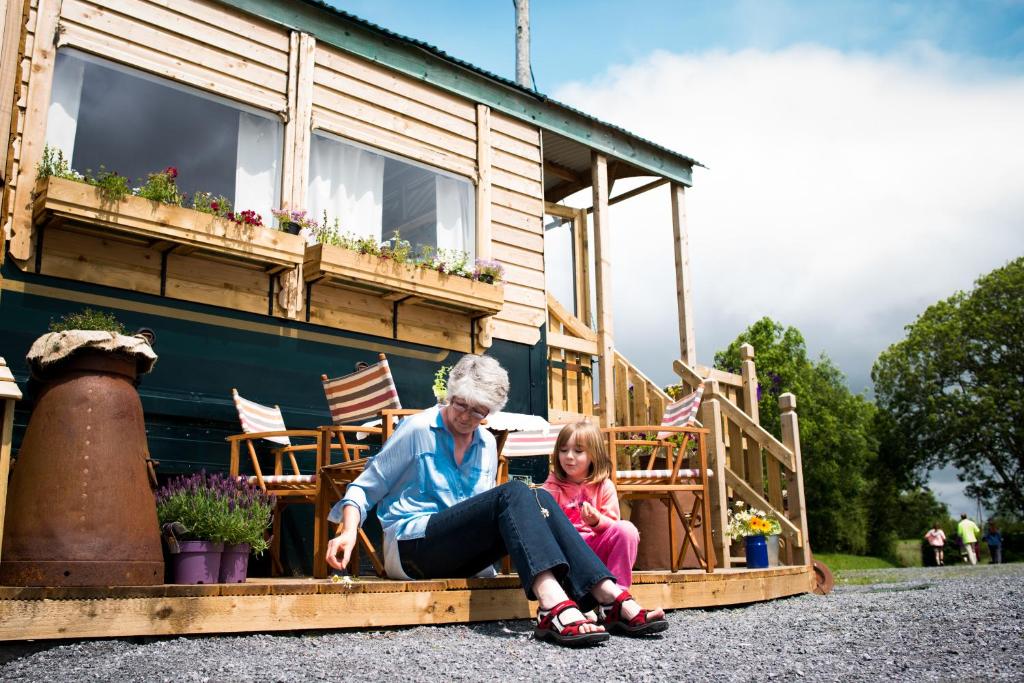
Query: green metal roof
{"points": [[430, 64]]}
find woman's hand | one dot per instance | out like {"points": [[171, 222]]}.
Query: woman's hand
{"points": [[342, 544], [589, 514]]}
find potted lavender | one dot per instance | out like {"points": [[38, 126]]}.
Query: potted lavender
{"points": [[201, 513]]}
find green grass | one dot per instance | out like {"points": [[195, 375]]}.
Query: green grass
{"points": [[839, 562], [908, 552]]}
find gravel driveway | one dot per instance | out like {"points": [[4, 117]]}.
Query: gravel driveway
{"points": [[950, 623]]}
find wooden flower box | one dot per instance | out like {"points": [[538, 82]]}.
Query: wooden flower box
{"points": [[73, 204], [400, 281]]}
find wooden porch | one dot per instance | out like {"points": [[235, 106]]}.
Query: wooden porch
{"points": [[262, 605]]}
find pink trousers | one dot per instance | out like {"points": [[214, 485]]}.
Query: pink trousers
{"points": [[616, 547]]}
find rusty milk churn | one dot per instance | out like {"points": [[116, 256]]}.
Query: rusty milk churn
{"points": [[80, 509]]}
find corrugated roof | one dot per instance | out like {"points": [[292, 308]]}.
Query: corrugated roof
{"points": [[441, 54]]}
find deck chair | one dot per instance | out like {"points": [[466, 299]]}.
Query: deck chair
{"points": [[356, 397], [260, 422], [662, 474]]}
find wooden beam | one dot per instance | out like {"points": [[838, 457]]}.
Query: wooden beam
{"points": [[581, 245], [572, 324], [34, 127], [795, 478], [483, 185], [681, 239], [711, 417], [13, 14], [602, 260], [633, 193], [559, 171]]}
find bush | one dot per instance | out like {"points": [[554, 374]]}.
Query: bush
{"points": [[88, 319]]}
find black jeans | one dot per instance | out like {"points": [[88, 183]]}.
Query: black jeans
{"points": [[507, 520]]}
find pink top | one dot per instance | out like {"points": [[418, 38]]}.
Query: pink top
{"points": [[936, 537], [570, 498]]}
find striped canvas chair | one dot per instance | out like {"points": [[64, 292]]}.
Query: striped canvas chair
{"points": [[289, 484], [662, 473], [355, 398]]}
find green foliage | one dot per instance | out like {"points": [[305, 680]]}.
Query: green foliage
{"points": [[53, 164], [953, 389], [208, 203], [836, 431], [113, 186], [839, 562], [917, 510], [88, 319], [216, 508], [440, 387], [162, 187]]}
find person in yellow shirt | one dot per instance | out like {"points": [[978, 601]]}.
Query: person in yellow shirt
{"points": [[968, 532]]}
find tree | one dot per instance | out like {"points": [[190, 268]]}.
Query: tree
{"points": [[953, 390], [836, 435]]}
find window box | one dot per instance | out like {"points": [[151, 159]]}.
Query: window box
{"points": [[400, 281], [71, 203]]}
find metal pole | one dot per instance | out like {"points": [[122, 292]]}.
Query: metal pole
{"points": [[523, 44]]}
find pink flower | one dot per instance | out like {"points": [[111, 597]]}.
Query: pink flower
{"points": [[171, 171]]}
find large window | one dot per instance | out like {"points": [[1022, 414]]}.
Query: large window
{"points": [[127, 121], [373, 194]]}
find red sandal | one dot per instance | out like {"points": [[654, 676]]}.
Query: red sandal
{"points": [[551, 627], [639, 625]]}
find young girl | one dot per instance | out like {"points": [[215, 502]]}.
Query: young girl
{"points": [[581, 486]]}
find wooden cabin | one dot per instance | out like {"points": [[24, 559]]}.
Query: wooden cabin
{"points": [[293, 104]]}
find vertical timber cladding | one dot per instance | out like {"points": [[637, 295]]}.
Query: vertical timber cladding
{"points": [[375, 106], [196, 43]]}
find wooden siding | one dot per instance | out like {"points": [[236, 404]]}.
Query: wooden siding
{"points": [[215, 48]]}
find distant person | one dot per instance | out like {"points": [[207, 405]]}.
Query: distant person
{"points": [[936, 538], [968, 532], [995, 543]]}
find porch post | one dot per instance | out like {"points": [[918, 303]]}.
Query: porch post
{"points": [[797, 511], [9, 393], [680, 235], [603, 277], [754, 465], [711, 416]]}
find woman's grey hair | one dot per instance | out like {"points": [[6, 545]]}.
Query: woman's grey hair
{"points": [[479, 380]]}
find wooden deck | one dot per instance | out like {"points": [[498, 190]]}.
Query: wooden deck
{"points": [[262, 605]]}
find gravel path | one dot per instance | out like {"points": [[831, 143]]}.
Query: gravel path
{"points": [[954, 623]]}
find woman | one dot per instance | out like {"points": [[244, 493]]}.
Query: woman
{"points": [[442, 517]]}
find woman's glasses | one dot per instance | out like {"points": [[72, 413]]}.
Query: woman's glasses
{"points": [[462, 407]]}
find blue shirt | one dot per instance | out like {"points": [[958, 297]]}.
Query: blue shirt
{"points": [[415, 476]]}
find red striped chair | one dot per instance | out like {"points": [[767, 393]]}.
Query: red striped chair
{"points": [[362, 395], [662, 474]]}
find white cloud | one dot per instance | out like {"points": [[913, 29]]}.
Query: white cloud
{"points": [[845, 193]]}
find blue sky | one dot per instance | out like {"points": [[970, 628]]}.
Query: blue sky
{"points": [[576, 40], [863, 156]]}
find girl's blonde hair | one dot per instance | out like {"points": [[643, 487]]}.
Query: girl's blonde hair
{"points": [[589, 437]]}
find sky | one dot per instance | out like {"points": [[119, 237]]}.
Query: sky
{"points": [[863, 158]]}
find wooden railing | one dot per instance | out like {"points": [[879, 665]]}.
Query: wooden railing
{"points": [[572, 346], [748, 462], [638, 400]]}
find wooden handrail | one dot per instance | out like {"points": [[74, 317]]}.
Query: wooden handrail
{"points": [[751, 497], [572, 324], [754, 431]]}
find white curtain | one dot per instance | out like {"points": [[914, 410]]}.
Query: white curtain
{"points": [[259, 148], [66, 96], [348, 183], [455, 220]]}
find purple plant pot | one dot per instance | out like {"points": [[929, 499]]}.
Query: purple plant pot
{"points": [[198, 562], [234, 563]]}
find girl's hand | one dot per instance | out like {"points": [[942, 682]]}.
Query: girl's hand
{"points": [[590, 514]]}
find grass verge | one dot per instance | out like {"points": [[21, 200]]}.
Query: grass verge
{"points": [[839, 562]]}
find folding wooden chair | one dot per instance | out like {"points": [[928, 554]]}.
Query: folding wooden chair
{"points": [[662, 474], [263, 422], [359, 396]]}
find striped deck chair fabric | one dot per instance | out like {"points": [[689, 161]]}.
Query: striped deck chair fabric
{"points": [[361, 395], [256, 417], [531, 442], [682, 413]]}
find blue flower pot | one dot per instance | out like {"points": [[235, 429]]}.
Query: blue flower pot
{"points": [[757, 552]]}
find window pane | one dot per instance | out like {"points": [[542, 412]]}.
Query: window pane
{"points": [[558, 261], [374, 194], [106, 115]]}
